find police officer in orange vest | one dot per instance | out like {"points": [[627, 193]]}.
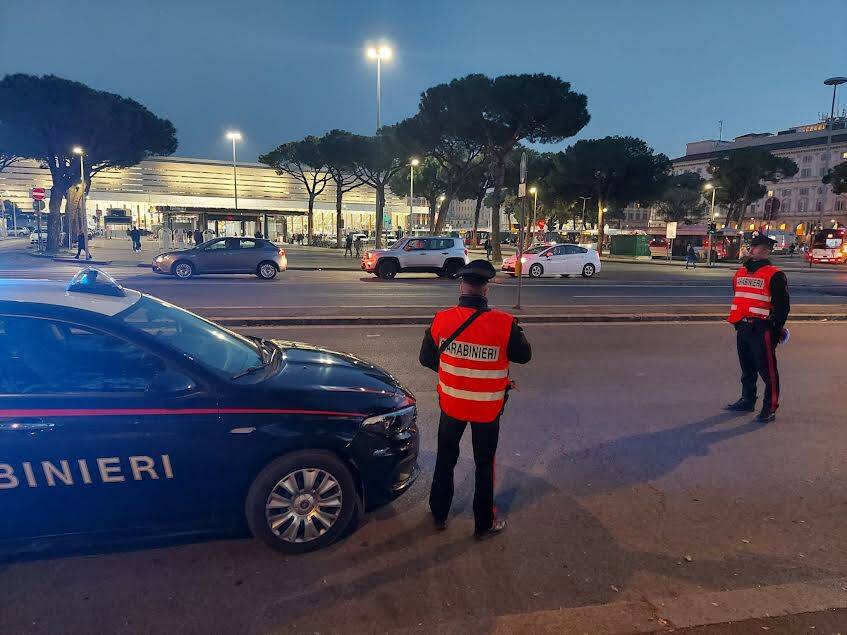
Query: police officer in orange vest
{"points": [[470, 346], [759, 310]]}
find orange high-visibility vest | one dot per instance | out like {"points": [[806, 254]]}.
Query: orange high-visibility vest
{"points": [[752, 294], [473, 372]]}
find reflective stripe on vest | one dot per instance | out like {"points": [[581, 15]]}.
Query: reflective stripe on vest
{"points": [[752, 298], [473, 372]]}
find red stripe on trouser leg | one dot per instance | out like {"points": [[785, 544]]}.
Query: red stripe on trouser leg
{"points": [[493, 485], [769, 352]]}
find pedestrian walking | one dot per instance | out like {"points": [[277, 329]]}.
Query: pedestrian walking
{"points": [[758, 312], [198, 237], [135, 237], [690, 256], [471, 346], [348, 245], [487, 246], [358, 246], [82, 246], [791, 249]]}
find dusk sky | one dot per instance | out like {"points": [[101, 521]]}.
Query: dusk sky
{"points": [[665, 71]]}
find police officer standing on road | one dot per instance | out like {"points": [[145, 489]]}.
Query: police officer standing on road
{"points": [[470, 346], [759, 310]]}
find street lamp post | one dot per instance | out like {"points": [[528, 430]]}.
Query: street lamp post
{"points": [[382, 53], [234, 136], [713, 215], [81, 154], [835, 82], [412, 165]]}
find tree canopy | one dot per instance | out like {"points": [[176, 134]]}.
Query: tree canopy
{"points": [[682, 199], [739, 176], [837, 178], [48, 116], [613, 171]]}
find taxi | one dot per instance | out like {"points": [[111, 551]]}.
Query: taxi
{"points": [[123, 416]]}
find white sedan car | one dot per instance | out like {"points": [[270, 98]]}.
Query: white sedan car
{"points": [[556, 260]]}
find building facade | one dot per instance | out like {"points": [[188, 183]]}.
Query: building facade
{"points": [[795, 204], [185, 193]]}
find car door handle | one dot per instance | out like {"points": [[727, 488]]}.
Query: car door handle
{"points": [[445, 253], [11, 426]]}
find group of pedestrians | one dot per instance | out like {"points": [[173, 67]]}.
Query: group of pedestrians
{"points": [[350, 244]]}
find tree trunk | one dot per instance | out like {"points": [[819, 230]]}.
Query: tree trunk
{"points": [[54, 220], [498, 175], [339, 225], [442, 215], [432, 215], [310, 218], [380, 206], [474, 236], [601, 223], [73, 210]]}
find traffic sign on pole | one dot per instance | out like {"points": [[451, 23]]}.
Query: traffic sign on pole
{"points": [[37, 193]]}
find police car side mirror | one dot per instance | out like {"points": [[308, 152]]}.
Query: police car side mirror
{"points": [[169, 382]]}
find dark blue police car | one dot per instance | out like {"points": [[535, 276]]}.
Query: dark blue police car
{"points": [[123, 415]]}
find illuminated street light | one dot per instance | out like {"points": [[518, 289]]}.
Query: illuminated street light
{"points": [[234, 135], [382, 53]]}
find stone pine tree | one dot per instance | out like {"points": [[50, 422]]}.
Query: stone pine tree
{"points": [[304, 162], [501, 112], [51, 115], [613, 171], [338, 151], [740, 175], [837, 178]]}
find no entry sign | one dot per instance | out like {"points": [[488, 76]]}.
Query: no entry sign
{"points": [[37, 193]]}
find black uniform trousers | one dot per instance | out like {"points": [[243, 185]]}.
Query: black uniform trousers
{"points": [[756, 343], [484, 437]]}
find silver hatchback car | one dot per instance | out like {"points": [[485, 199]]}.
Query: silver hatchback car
{"points": [[224, 255]]}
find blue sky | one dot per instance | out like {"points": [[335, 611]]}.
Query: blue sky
{"points": [[662, 70]]}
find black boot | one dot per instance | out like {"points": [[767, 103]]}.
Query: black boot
{"points": [[766, 415], [742, 405]]}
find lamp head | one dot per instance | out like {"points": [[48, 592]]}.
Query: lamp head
{"points": [[233, 135]]}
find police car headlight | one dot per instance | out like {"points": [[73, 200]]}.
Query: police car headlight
{"points": [[392, 423]]}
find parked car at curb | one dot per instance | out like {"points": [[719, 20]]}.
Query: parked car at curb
{"points": [[441, 255], [556, 260], [224, 255], [133, 419]]}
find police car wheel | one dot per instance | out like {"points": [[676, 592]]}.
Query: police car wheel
{"points": [[588, 270], [266, 271], [536, 271], [301, 502], [387, 269], [183, 270]]}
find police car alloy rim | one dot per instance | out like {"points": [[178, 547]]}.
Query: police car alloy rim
{"points": [[304, 505]]}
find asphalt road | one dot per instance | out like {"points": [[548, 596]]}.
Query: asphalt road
{"points": [[641, 287], [630, 496]]}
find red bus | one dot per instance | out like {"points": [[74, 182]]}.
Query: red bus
{"points": [[829, 245]]}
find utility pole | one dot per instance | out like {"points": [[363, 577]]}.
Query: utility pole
{"points": [[519, 254]]}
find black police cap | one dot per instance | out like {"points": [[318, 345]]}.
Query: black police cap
{"points": [[759, 238], [477, 272]]}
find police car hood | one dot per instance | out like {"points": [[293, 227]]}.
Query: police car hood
{"points": [[310, 366]]}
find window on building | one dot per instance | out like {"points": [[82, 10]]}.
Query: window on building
{"points": [[805, 173], [802, 205], [818, 206], [822, 172], [844, 155], [807, 158], [839, 206], [786, 192], [824, 157], [786, 206], [804, 191]]}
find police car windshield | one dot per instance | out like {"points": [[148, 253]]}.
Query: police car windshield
{"points": [[216, 348]]}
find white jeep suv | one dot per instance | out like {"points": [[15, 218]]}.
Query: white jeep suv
{"points": [[442, 255]]}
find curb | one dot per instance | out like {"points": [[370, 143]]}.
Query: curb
{"points": [[87, 262], [424, 320]]}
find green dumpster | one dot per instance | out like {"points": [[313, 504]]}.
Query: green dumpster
{"points": [[630, 245]]}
